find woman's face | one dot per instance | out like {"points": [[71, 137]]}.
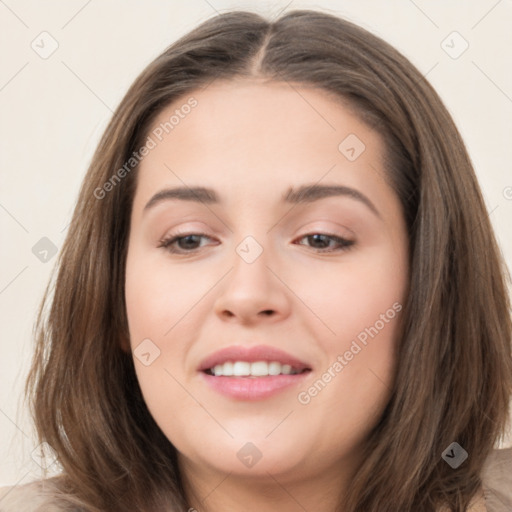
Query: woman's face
{"points": [[298, 257]]}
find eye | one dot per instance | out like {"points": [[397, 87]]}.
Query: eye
{"points": [[183, 244], [322, 242]]}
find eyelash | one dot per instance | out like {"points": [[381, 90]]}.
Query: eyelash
{"points": [[167, 243]]}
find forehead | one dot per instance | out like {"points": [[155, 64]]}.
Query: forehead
{"points": [[243, 136], [265, 109]]}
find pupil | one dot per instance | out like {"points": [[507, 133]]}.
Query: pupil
{"points": [[186, 240], [317, 238]]}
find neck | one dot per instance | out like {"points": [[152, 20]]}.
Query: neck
{"points": [[209, 490]]}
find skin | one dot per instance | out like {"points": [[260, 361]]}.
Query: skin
{"points": [[251, 141]]}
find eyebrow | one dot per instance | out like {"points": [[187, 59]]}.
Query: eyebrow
{"points": [[303, 194]]}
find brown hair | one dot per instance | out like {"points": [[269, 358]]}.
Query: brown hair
{"points": [[454, 371]]}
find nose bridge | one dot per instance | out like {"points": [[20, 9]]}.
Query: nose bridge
{"points": [[251, 288], [251, 262], [250, 249]]}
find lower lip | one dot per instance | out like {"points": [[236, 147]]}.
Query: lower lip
{"points": [[257, 388]]}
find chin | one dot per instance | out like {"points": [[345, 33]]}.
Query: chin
{"points": [[255, 458]]}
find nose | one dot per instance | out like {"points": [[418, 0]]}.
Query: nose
{"points": [[253, 292]]}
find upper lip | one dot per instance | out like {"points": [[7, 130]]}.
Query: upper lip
{"points": [[251, 355]]}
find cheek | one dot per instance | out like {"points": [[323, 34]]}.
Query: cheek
{"points": [[352, 296], [158, 295], [348, 395], [163, 302], [158, 298], [361, 305]]}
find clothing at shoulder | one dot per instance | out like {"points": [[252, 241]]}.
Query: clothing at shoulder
{"points": [[38, 496], [497, 481], [495, 495]]}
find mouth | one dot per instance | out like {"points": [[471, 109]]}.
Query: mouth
{"points": [[252, 373]]}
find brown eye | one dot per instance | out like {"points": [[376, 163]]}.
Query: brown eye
{"points": [[183, 244], [323, 242]]}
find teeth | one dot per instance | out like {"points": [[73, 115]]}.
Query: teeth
{"points": [[274, 368], [240, 369], [256, 369]]}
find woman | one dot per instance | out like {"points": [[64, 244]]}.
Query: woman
{"points": [[280, 290]]}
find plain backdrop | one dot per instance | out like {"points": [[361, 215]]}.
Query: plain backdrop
{"points": [[54, 107]]}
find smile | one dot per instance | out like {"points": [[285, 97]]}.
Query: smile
{"points": [[255, 369], [252, 372]]}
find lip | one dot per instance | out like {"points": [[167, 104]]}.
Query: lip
{"points": [[253, 388], [252, 355]]}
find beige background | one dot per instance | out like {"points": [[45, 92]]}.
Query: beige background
{"points": [[54, 109]]}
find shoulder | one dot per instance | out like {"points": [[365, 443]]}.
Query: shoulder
{"points": [[497, 480], [38, 496]]}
